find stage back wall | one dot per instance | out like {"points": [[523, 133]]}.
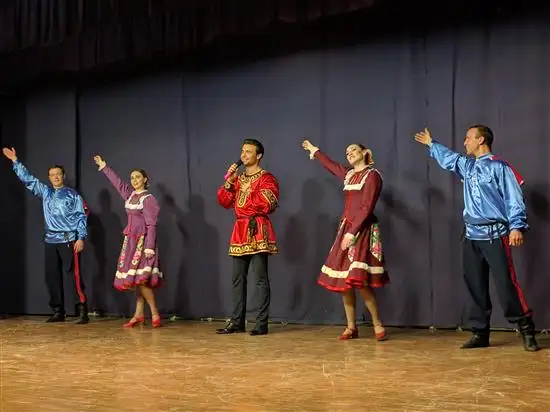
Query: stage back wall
{"points": [[185, 124]]}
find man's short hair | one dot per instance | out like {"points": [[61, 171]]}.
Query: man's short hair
{"points": [[57, 167], [486, 132], [259, 146]]}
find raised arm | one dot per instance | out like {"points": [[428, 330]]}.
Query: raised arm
{"points": [[264, 198], [446, 158], [123, 188], [31, 183], [449, 160], [369, 196], [333, 167], [151, 211]]}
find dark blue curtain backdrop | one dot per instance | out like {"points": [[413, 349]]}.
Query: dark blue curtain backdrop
{"points": [[184, 128]]}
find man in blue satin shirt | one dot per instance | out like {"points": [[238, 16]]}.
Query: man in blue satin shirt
{"points": [[66, 230], [495, 219]]}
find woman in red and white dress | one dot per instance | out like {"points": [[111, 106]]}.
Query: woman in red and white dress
{"points": [[355, 261]]}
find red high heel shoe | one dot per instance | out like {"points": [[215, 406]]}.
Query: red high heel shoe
{"points": [[156, 321], [380, 336], [135, 321], [349, 334]]}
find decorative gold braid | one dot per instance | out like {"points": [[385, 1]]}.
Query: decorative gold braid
{"points": [[244, 179], [242, 198], [248, 249], [270, 197], [253, 245]]}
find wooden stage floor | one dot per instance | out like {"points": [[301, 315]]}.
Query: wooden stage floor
{"points": [[186, 367]]}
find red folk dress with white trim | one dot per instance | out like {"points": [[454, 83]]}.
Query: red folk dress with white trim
{"points": [[361, 265]]}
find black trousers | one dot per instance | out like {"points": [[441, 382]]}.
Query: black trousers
{"points": [[481, 257], [258, 265], [62, 260]]}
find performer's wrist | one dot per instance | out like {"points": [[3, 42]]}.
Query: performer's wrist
{"points": [[229, 185], [313, 152], [103, 166]]}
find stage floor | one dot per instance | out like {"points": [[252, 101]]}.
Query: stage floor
{"points": [[186, 367]]}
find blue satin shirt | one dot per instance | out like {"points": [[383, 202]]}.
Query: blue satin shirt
{"points": [[493, 199], [64, 214]]}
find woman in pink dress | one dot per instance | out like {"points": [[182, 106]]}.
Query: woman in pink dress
{"points": [[355, 261], [138, 263]]}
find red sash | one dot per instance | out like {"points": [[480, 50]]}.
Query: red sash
{"points": [[86, 208], [519, 178]]}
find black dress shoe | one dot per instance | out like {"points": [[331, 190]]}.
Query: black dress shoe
{"points": [[476, 341], [82, 314], [230, 328], [530, 343], [58, 316], [527, 330], [258, 332]]}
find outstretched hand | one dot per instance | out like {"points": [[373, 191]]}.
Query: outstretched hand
{"points": [[99, 162], [424, 137], [306, 144], [10, 153]]}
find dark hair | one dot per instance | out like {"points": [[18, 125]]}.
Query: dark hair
{"points": [[485, 132], [57, 167], [144, 174], [256, 143]]}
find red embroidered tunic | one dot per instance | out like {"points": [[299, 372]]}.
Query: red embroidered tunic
{"points": [[253, 231]]}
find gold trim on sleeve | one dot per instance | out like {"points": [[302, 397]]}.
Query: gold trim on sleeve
{"points": [[270, 197]]}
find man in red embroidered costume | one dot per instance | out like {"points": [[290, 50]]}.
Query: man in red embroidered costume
{"points": [[253, 195], [355, 261]]}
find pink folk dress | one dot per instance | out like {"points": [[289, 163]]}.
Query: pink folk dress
{"points": [[142, 209]]}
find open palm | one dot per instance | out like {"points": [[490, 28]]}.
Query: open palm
{"points": [[9, 153], [306, 144], [424, 137]]}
